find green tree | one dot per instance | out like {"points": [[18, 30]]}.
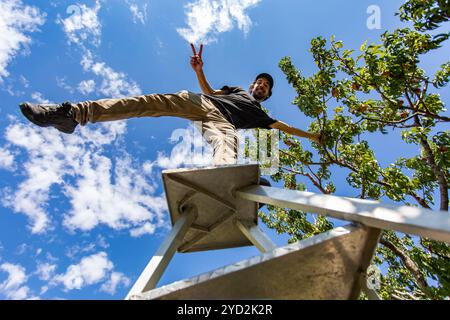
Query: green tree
{"points": [[426, 14], [352, 96]]}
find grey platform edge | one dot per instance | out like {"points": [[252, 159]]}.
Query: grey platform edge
{"points": [[325, 266]]}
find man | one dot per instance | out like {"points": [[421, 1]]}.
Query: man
{"points": [[220, 112]]}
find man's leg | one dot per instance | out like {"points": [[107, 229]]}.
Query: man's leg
{"points": [[182, 104], [222, 136], [66, 116]]}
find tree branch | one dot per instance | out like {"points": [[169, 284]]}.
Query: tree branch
{"points": [[408, 263], [306, 174], [392, 122], [306, 163], [420, 200], [443, 185], [434, 116]]}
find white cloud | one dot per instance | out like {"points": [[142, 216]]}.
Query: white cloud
{"points": [[61, 82], [45, 271], [16, 276], [16, 21], [31, 195], [50, 257], [187, 152], [91, 270], [101, 190], [101, 242], [24, 81], [83, 28], [95, 200], [13, 287], [38, 98], [82, 24], [207, 18], [147, 228], [86, 247], [73, 251], [138, 11], [147, 167], [44, 289], [86, 86], [15, 85], [113, 83], [12, 92], [23, 248], [6, 159], [116, 279]]}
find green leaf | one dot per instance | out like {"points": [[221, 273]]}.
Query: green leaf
{"points": [[363, 46]]}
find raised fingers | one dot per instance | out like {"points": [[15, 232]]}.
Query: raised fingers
{"points": [[193, 50]]}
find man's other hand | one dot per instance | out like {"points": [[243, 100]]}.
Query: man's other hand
{"points": [[196, 59]]}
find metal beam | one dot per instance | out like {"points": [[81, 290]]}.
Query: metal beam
{"points": [[370, 246], [187, 245], [256, 236], [410, 220], [202, 190], [155, 268]]}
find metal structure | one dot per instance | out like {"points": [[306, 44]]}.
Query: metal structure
{"points": [[216, 207]]}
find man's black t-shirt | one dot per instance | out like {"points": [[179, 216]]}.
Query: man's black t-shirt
{"points": [[241, 109]]}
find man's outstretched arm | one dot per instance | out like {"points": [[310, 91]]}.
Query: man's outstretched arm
{"points": [[280, 125], [197, 65]]}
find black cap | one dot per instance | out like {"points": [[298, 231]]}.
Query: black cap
{"points": [[266, 76]]}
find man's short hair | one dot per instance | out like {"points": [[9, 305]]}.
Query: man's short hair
{"points": [[266, 76], [269, 78]]}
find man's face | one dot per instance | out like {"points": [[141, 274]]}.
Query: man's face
{"points": [[260, 89]]}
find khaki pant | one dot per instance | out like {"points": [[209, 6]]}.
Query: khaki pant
{"points": [[215, 128]]}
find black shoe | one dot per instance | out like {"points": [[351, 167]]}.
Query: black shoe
{"points": [[59, 116], [263, 182]]}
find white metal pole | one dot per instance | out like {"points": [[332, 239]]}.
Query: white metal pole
{"points": [[155, 268], [410, 220], [256, 236]]}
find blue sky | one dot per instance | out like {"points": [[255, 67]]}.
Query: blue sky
{"points": [[81, 214]]}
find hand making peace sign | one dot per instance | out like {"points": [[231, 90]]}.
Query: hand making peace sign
{"points": [[196, 59]]}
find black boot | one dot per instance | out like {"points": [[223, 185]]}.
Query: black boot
{"points": [[59, 116], [263, 182]]}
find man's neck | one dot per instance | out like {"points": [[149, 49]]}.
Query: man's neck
{"points": [[251, 94]]}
